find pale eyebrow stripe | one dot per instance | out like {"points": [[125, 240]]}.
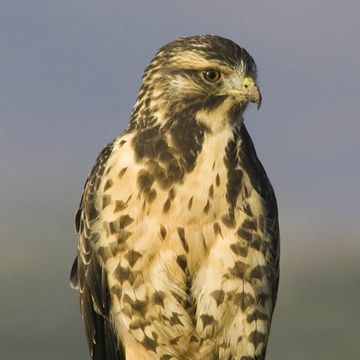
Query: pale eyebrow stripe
{"points": [[198, 67]]}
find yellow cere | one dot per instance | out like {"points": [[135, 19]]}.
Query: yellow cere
{"points": [[248, 81]]}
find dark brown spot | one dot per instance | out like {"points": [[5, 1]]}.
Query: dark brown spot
{"points": [[158, 298], [174, 173], [139, 306], [122, 236], [219, 296], [167, 205], [194, 339], [217, 180], [228, 220], [114, 227], [239, 250], [190, 203], [104, 253], [144, 180], [249, 225], [211, 191], [247, 209], [122, 172], [239, 269], [177, 297], [150, 195], [207, 207], [106, 200], [119, 206], [262, 299], [257, 315], [256, 242], [113, 246], [122, 142], [149, 344], [109, 183], [244, 300], [171, 194], [246, 235], [125, 220], [166, 357], [181, 233], [132, 257], [163, 231], [257, 338], [175, 340], [182, 262], [175, 319], [207, 320], [204, 243], [217, 228], [157, 171], [124, 274], [258, 272]]}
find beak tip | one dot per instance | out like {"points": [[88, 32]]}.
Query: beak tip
{"points": [[257, 97], [258, 103]]}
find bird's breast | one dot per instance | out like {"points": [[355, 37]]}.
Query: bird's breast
{"points": [[170, 243], [181, 214]]}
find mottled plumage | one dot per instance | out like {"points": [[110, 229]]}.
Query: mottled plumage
{"points": [[178, 226]]}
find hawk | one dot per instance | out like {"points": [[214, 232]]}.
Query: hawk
{"points": [[178, 252]]}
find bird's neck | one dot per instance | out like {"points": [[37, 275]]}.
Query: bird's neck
{"points": [[176, 149], [227, 117]]}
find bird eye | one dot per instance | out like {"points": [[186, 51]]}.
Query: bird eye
{"points": [[211, 75]]}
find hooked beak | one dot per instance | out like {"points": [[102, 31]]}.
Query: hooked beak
{"points": [[252, 92], [255, 96]]}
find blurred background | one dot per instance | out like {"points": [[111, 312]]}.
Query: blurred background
{"points": [[69, 75]]}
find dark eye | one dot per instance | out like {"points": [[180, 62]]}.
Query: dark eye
{"points": [[211, 75]]}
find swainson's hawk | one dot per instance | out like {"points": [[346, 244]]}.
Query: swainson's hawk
{"points": [[178, 227]]}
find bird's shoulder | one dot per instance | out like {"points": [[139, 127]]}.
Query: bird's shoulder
{"points": [[111, 163]]}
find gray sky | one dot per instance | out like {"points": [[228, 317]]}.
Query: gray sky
{"points": [[69, 75]]}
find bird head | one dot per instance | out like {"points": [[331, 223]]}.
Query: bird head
{"points": [[208, 77]]}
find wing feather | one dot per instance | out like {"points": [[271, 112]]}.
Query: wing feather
{"points": [[262, 185], [89, 276]]}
